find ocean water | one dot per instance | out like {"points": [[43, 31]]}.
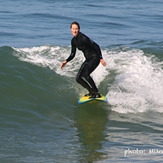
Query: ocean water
{"points": [[40, 118]]}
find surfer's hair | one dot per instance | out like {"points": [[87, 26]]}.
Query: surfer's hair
{"points": [[76, 24]]}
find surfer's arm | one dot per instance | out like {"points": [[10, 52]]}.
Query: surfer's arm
{"points": [[73, 51], [72, 55], [93, 45], [98, 50]]}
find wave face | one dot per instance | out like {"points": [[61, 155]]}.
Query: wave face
{"points": [[132, 80]]}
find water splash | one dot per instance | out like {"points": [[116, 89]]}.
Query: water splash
{"points": [[138, 85]]}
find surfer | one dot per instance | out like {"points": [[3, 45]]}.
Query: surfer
{"points": [[92, 53]]}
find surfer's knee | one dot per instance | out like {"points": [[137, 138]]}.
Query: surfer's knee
{"points": [[86, 76]]}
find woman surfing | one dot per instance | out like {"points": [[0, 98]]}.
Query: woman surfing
{"points": [[93, 56]]}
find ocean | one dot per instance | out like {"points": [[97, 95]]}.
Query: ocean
{"points": [[40, 118]]}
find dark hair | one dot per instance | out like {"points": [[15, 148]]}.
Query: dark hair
{"points": [[76, 24]]}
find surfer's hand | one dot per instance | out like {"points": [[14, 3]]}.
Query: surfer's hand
{"points": [[103, 62], [63, 64]]}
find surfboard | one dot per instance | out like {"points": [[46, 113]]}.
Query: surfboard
{"points": [[85, 99]]}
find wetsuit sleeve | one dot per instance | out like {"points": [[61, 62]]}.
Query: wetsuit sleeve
{"points": [[73, 51], [94, 46]]}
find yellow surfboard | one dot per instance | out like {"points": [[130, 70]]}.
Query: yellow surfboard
{"points": [[88, 98]]}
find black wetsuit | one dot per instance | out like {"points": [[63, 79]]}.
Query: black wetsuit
{"points": [[92, 54]]}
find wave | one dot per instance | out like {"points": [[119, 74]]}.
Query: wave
{"points": [[132, 80], [138, 85]]}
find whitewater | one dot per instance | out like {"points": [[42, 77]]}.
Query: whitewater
{"points": [[138, 79]]}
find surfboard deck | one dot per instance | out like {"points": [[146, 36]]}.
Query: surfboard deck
{"points": [[85, 99]]}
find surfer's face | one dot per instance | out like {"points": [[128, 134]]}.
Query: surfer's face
{"points": [[74, 30]]}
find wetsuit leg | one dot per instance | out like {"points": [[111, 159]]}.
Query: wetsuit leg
{"points": [[83, 76], [80, 79]]}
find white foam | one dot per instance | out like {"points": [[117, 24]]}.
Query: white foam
{"points": [[139, 82], [53, 56], [47, 56], [99, 74]]}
